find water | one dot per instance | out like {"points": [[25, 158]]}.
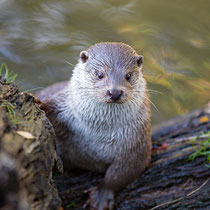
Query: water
{"points": [[38, 38]]}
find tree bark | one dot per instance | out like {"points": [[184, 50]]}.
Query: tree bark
{"points": [[27, 153]]}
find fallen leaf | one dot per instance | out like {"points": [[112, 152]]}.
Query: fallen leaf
{"points": [[25, 134], [203, 119]]}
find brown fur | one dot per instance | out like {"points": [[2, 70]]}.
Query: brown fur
{"points": [[83, 104]]}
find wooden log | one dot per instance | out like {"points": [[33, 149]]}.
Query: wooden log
{"points": [[27, 153]]}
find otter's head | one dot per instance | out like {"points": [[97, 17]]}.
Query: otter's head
{"points": [[112, 72]]}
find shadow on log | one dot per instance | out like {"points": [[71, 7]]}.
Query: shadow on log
{"points": [[28, 157]]}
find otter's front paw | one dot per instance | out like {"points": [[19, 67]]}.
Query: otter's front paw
{"points": [[100, 199]]}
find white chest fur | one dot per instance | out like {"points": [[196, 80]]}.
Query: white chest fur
{"points": [[99, 130]]}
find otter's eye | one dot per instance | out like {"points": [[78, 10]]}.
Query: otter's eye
{"points": [[128, 76], [100, 75]]}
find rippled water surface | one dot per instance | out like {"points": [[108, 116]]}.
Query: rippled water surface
{"points": [[39, 38]]}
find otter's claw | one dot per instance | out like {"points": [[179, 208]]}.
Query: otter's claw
{"points": [[100, 199]]}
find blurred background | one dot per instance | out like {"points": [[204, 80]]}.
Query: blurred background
{"points": [[38, 38]]}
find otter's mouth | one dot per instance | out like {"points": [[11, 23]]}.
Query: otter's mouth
{"points": [[115, 101]]}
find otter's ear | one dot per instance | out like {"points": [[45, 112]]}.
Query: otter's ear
{"points": [[84, 56], [140, 60]]}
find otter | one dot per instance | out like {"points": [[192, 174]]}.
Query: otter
{"points": [[101, 118]]}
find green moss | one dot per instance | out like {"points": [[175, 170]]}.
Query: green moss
{"points": [[204, 148], [72, 204], [11, 110]]}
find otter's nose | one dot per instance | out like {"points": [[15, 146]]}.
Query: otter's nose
{"points": [[114, 94]]}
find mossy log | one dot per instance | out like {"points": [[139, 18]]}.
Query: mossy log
{"points": [[27, 153], [27, 161]]}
